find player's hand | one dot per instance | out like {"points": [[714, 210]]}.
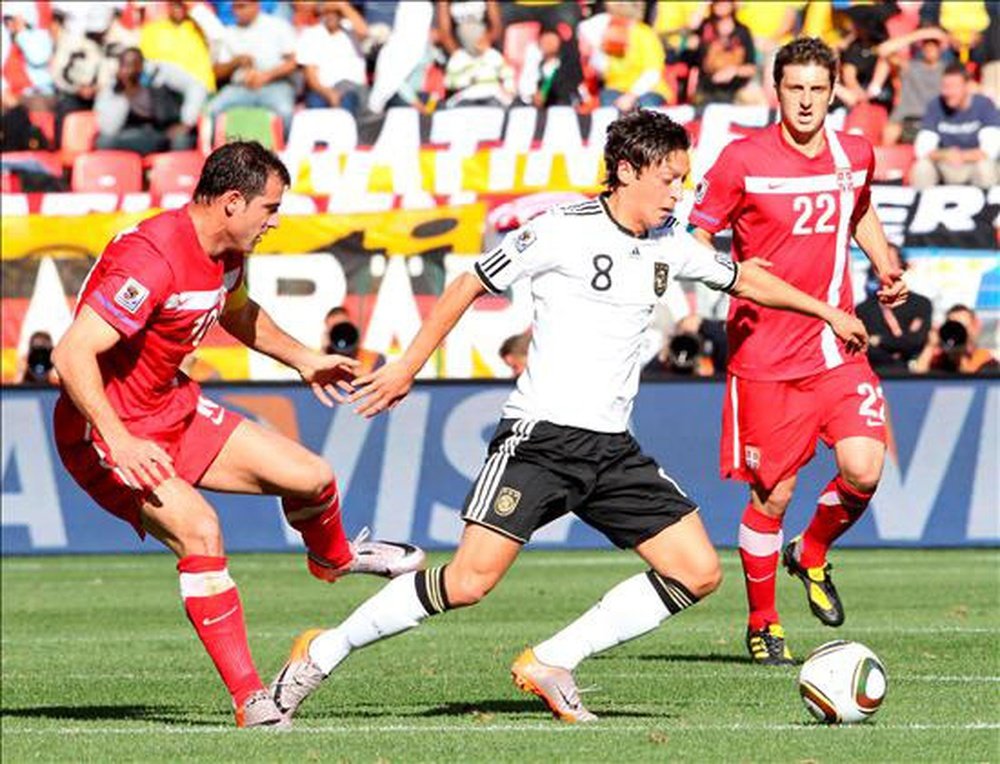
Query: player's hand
{"points": [[894, 291], [329, 376], [850, 329], [381, 390], [141, 462]]}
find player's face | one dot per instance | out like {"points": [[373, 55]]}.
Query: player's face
{"points": [[804, 95], [258, 216], [656, 190]]}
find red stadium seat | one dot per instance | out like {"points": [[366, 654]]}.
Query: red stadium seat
{"points": [[516, 38], [869, 120], [893, 162], [9, 183], [118, 172], [79, 134], [174, 171], [45, 121]]}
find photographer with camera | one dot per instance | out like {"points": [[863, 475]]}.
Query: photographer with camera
{"points": [[696, 349], [952, 347], [342, 337], [35, 367]]}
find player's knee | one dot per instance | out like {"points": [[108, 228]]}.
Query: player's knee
{"points": [[468, 588], [202, 537], [705, 577], [320, 476], [777, 501], [862, 475]]}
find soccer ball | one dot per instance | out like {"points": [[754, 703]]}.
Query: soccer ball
{"points": [[842, 682]]}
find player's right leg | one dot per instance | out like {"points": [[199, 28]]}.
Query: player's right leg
{"points": [[255, 460], [178, 515], [482, 558]]}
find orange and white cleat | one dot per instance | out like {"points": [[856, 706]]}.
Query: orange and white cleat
{"points": [[377, 558], [260, 710], [298, 678], [555, 686]]}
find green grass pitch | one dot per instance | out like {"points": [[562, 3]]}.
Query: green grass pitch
{"points": [[99, 664]]}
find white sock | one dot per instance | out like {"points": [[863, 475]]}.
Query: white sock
{"points": [[402, 604], [632, 608]]}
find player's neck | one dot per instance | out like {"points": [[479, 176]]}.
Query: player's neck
{"points": [[211, 234], [810, 145], [623, 214]]}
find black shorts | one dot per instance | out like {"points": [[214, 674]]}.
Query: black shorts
{"points": [[536, 472]]}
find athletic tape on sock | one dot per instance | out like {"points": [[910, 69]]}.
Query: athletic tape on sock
{"points": [[430, 590], [674, 594]]}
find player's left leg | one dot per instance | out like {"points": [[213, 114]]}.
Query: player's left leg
{"points": [[255, 460], [855, 425]]}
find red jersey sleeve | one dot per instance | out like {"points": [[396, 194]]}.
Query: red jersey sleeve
{"points": [[720, 192], [130, 282], [865, 197]]}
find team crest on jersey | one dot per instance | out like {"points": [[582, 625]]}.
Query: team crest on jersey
{"points": [[524, 240], [661, 274], [506, 501], [700, 190], [751, 456], [132, 295], [845, 180]]}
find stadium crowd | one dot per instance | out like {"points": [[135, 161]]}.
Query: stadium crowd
{"points": [[146, 77]]}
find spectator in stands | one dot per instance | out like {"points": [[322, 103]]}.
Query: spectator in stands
{"points": [[514, 352], [26, 56], [896, 336], [628, 57], [402, 61], [228, 14], [964, 20], [551, 74], [35, 367], [953, 347], [697, 347], [343, 337], [330, 54], [959, 138], [865, 70], [920, 81], [472, 26], [726, 59], [150, 107], [257, 59], [181, 38], [771, 25], [476, 72], [986, 55]]}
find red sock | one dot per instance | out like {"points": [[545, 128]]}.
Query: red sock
{"points": [[213, 607], [840, 505], [760, 543], [319, 522]]}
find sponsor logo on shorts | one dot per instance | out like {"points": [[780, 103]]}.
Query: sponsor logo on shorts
{"points": [[506, 501], [751, 457], [132, 295], [661, 274]]}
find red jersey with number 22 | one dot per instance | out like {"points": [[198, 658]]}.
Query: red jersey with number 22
{"points": [[162, 292], [797, 212]]}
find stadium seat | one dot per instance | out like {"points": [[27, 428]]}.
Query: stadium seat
{"points": [[79, 134], [118, 172], [893, 163], [516, 38], [45, 121], [174, 172], [868, 120], [9, 184], [251, 124]]}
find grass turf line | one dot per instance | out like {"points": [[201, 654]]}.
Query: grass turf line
{"points": [[99, 664]]}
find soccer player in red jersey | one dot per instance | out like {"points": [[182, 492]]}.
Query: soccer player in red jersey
{"points": [[794, 194], [139, 437]]}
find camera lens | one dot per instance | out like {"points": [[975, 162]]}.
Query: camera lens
{"points": [[344, 338], [953, 335]]}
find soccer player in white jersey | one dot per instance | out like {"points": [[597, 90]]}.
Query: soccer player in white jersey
{"points": [[597, 269]]}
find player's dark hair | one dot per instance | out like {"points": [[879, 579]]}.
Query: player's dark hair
{"points": [[957, 67], [242, 166], [805, 50], [642, 138]]}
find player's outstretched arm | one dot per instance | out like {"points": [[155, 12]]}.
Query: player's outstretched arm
{"points": [[759, 286], [871, 238], [328, 375], [385, 388], [142, 462]]}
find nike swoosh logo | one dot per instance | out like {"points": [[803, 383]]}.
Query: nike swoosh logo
{"points": [[566, 700], [753, 580], [775, 185], [224, 616]]}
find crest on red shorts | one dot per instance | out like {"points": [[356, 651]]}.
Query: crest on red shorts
{"points": [[751, 457]]}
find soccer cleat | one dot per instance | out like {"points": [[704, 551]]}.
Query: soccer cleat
{"points": [[298, 678], [767, 646], [259, 710], [555, 686], [378, 558], [820, 591]]}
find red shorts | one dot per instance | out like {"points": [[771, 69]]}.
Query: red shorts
{"points": [[770, 428], [193, 446]]}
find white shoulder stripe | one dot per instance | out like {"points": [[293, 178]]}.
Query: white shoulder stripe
{"points": [[806, 184], [196, 300]]}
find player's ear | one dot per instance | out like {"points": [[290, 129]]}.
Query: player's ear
{"points": [[232, 201]]}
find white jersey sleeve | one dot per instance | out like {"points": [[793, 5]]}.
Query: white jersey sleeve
{"points": [[699, 262], [526, 251]]}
